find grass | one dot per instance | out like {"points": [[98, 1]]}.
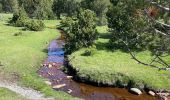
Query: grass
{"points": [[117, 68], [22, 55], [6, 94]]}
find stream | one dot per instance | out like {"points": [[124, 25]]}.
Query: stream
{"points": [[62, 82]]}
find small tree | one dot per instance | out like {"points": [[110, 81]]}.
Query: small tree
{"points": [[19, 18], [80, 32]]}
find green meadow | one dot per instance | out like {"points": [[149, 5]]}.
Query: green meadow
{"points": [[22, 55]]}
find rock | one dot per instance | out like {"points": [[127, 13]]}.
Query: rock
{"points": [[54, 64], [151, 93], [50, 66], [70, 91], [50, 74], [136, 91], [44, 65], [69, 77], [163, 94], [164, 98], [59, 86], [48, 82]]}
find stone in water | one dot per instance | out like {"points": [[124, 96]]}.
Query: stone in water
{"points": [[151, 93], [136, 91], [59, 86]]}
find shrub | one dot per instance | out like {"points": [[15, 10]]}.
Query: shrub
{"points": [[19, 18], [35, 25], [80, 31]]}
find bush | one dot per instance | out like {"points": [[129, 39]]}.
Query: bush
{"points": [[80, 31], [19, 18], [35, 25]]}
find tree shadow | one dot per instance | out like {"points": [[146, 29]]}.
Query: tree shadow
{"points": [[105, 35], [102, 45]]}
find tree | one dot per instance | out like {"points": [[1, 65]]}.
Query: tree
{"points": [[19, 18], [125, 21], [1, 8], [98, 6], [9, 5], [44, 10], [68, 7], [80, 32], [135, 25], [41, 9]]}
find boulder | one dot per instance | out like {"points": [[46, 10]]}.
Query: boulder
{"points": [[136, 91], [59, 86], [151, 93]]}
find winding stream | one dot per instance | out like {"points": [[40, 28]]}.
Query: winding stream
{"points": [[62, 82]]}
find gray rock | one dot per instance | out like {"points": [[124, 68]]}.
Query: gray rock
{"points": [[151, 93], [59, 86], [136, 91]]}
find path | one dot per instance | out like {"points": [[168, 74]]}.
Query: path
{"points": [[25, 92]]}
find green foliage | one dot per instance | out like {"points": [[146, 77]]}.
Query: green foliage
{"points": [[127, 22], [68, 7], [90, 51], [80, 31], [35, 25], [40, 9], [100, 7], [1, 9], [44, 10], [19, 18], [9, 5]]}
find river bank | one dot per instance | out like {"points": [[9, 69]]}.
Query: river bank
{"points": [[52, 70]]}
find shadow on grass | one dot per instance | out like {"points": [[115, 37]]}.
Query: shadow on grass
{"points": [[105, 35], [108, 46]]}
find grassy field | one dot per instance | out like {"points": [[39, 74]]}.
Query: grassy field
{"points": [[6, 94], [22, 55], [117, 68]]}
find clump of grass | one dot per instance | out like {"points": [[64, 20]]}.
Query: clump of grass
{"points": [[90, 51], [18, 34]]}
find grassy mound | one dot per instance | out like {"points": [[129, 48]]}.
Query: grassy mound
{"points": [[22, 52], [117, 68]]}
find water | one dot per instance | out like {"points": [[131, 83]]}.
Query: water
{"points": [[88, 92]]}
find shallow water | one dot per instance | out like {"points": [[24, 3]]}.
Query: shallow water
{"points": [[57, 77]]}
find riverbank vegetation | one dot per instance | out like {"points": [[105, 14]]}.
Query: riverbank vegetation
{"points": [[116, 67]]}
